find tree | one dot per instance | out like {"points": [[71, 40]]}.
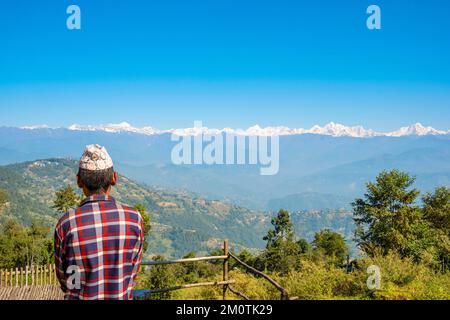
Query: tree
{"points": [[41, 249], [13, 245], [304, 246], [3, 198], [147, 222], [66, 199], [195, 271], [387, 218], [161, 276], [246, 257], [282, 252], [332, 245], [283, 230], [436, 209], [20, 246], [282, 259]]}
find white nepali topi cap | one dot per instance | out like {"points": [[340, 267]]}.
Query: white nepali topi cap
{"points": [[95, 158]]}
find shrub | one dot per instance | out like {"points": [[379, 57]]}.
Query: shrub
{"points": [[321, 281], [403, 279]]}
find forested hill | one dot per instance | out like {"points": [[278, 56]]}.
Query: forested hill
{"points": [[181, 221]]}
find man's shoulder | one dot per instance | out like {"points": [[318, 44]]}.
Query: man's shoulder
{"points": [[64, 221], [132, 211], [125, 206], [68, 220]]}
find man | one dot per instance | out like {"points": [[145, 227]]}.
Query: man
{"points": [[98, 246]]}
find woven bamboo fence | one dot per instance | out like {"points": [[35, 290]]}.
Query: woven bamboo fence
{"points": [[30, 283]]}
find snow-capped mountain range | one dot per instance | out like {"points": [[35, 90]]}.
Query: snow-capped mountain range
{"points": [[330, 129], [328, 160]]}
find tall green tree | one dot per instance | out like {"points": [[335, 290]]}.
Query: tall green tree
{"points": [[283, 230], [332, 245], [387, 218], [147, 222], [20, 246], [41, 249], [282, 251], [14, 243], [436, 209], [66, 199]]}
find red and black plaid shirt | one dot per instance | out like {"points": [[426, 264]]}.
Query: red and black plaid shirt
{"points": [[102, 242]]}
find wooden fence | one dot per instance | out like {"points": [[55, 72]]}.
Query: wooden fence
{"points": [[30, 283], [226, 283], [41, 283], [29, 276], [47, 292]]}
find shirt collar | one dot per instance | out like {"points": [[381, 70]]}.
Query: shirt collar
{"points": [[97, 198]]}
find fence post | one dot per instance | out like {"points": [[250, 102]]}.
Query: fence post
{"points": [[225, 268], [55, 279]]}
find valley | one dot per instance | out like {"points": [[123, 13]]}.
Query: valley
{"points": [[181, 221]]}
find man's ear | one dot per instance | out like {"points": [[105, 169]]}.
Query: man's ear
{"points": [[115, 178], [79, 183]]}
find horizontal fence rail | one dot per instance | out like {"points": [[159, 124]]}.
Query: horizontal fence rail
{"points": [[226, 283], [145, 293], [142, 294], [283, 291], [188, 260]]}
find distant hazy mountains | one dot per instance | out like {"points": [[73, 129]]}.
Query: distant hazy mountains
{"points": [[331, 129], [182, 222], [309, 201], [321, 167]]}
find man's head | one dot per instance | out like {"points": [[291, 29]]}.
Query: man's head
{"points": [[96, 173]]}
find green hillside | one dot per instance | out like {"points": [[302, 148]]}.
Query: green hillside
{"points": [[181, 221]]}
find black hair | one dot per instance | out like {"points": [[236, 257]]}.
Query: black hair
{"points": [[96, 181]]}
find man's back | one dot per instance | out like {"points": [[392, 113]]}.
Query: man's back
{"points": [[103, 241]]}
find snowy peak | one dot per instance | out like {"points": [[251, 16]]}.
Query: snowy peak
{"points": [[339, 130], [269, 131], [44, 126], [330, 129], [416, 129], [115, 128]]}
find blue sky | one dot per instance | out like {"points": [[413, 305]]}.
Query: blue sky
{"points": [[229, 63]]}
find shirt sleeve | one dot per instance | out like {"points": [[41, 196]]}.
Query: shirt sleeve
{"points": [[59, 259]]}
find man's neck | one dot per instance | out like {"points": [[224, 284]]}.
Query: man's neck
{"points": [[89, 194]]}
